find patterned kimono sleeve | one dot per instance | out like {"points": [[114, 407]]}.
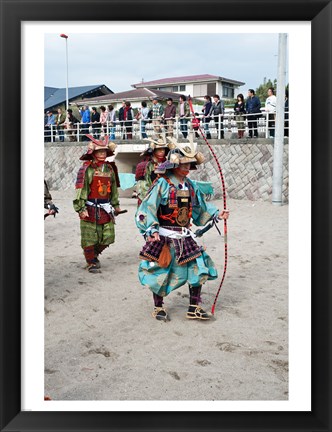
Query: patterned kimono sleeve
{"points": [[143, 186], [146, 215], [202, 210], [82, 193], [114, 198]]}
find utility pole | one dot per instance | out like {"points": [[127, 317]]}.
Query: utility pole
{"points": [[66, 37], [279, 125]]}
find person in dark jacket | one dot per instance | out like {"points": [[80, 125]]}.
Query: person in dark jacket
{"points": [[207, 109], [95, 122], [239, 110], [218, 113], [121, 118], [253, 108], [128, 117]]}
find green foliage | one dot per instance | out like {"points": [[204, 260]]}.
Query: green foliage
{"points": [[261, 91], [229, 103]]}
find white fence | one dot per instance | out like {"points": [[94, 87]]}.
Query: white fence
{"points": [[218, 128]]}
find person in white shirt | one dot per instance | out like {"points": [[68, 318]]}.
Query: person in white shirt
{"points": [[270, 108], [111, 120]]}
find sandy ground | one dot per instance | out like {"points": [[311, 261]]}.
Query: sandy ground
{"points": [[101, 342]]}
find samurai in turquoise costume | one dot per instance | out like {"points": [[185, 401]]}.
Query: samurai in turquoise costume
{"points": [[171, 257]]}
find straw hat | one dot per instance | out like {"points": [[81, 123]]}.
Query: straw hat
{"points": [[102, 144], [157, 143], [181, 153]]}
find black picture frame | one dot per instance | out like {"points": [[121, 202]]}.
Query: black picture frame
{"points": [[320, 14]]}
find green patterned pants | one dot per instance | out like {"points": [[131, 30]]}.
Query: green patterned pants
{"points": [[93, 234]]}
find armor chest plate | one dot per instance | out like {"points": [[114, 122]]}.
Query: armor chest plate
{"points": [[178, 211], [100, 188]]}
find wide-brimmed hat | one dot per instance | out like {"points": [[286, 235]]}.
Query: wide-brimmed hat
{"points": [[180, 154], [102, 144], [157, 143]]}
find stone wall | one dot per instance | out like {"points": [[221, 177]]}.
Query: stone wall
{"points": [[247, 167]]}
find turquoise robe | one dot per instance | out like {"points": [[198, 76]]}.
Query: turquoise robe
{"points": [[161, 280]]}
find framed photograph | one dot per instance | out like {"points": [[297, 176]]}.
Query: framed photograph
{"points": [[23, 403]]}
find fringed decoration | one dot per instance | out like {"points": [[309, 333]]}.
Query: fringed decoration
{"points": [[165, 256], [173, 202], [81, 174]]}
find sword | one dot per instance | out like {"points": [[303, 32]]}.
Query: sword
{"points": [[212, 222]]}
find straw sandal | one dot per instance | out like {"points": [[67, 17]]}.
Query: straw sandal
{"points": [[92, 268], [196, 312], [159, 313], [97, 263]]}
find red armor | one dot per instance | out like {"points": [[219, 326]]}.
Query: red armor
{"points": [[100, 188]]}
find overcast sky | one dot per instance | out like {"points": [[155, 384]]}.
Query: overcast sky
{"points": [[120, 60]]}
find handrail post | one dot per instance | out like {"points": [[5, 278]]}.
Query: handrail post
{"points": [[140, 128]]}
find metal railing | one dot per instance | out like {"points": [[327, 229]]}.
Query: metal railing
{"points": [[261, 124]]}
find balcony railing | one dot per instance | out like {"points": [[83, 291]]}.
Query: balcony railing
{"points": [[218, 127]]}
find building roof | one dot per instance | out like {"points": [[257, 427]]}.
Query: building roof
{"points": [[130, 96], [56, 96], [185, 79]]}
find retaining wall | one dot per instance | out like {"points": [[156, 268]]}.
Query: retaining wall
{"points": [[247, 166]]}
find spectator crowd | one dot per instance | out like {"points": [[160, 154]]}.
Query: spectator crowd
{"points": [[106, 120]]}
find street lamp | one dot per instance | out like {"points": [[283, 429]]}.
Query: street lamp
{"points": [[66, 37]]}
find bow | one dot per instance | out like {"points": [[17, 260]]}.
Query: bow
{"points": [[224, 202]]}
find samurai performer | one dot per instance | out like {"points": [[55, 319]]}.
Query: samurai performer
{"points": [[48, 203], [97, 200], [154, 155], [171, 257]]}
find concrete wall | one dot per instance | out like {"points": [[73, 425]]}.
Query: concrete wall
{"points": [[247, 166]]}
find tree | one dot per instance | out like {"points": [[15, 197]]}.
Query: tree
{"points": [[261, 91]]}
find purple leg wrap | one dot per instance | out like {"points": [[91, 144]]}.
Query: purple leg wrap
{"points": [[195, 295], [158, 300]]}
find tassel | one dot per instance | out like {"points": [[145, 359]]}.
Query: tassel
{"points": [[165, 256]]}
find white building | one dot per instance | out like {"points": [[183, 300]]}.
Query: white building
{"points": [[196, 86]]}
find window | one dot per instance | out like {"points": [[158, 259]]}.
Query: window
{"points": [[227, 92], [200, 90], [175, 88], [166, 89], [211, 89], [182, 87]]}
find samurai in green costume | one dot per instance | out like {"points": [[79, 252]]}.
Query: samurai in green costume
{"points": [[97, 200]]}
